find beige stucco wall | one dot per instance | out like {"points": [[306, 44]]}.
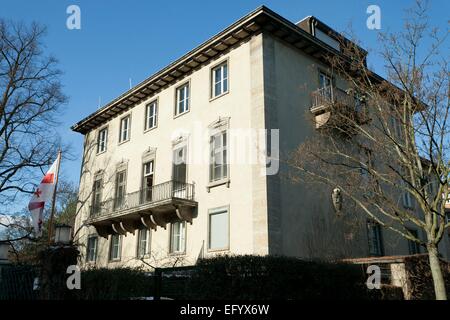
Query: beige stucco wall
{"points": [[246, 192], [309, 225], [270, 84]]}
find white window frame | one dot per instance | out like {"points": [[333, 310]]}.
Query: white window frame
{"points": [[102, 140], [223, 150], [218, 211], [120, 184], [124, 134], [183, 98], [223, 81], [328, 89], [180, 237], [143, 244], [97, 191], [151, 120], [112, 246], [89, 248]]}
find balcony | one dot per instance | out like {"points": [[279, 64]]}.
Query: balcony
{"points": [[335, 108], [152, 207]]}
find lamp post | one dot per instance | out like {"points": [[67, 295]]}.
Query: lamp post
{"points": [[63, 234], [54, 261]]}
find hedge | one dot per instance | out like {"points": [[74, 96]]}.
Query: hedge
{"points": [[276, 278], [240, 278], [114, 284], [420, 281]]}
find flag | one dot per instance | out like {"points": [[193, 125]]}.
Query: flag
{"points": [[42, 195]]}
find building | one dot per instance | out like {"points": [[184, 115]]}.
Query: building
{"points": [[163, 181]]}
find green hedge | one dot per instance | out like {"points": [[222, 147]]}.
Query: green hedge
{"points": [[239, 278], [114, 284], [268, 277]]}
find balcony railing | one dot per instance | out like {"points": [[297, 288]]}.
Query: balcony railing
{"points": [[158, 193], [328, 96], [332, 103]]}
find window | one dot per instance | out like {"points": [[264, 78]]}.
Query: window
{"points": [[218, 238], [143, 241], [124, 129], [115, 247], [325, 83], [413, 246], [102, 140], [220, 80], [374, 238], [151, 115], [178, 237], [218, 162], [91, 250], [182, 99], [179, 164], [97, 195], [327, 39], [407, 200], [147, 182], [179, 172], [120, 188], [396, 127]]}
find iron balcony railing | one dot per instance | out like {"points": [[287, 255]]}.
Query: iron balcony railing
{"points": [[160, 192], [331, 96], [341, 103]]}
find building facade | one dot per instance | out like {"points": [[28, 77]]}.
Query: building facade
{"points": [[186, 164]]}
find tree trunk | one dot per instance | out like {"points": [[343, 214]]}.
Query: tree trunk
{"points": [[436, 272]]}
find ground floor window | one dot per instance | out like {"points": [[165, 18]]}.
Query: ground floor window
{"points": [[178, 237], [218, 238], [374, 238], [115, 247], [143, 242], [91, 250]]}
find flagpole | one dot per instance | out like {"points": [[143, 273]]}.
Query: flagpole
{"points": [[52, 214]]}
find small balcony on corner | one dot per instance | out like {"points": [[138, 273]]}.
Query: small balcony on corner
{"points": [[334, 107]]}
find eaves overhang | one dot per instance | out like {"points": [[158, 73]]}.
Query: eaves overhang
{"points": [[260, 20]]}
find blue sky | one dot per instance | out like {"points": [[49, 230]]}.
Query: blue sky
{"points": [[133, 39]]}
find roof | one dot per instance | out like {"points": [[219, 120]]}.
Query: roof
{"points": [[259, 20]]}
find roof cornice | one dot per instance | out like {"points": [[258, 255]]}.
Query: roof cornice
{"points": [[260, 20]]}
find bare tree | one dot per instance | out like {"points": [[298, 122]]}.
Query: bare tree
{"points": [[385, 144], [30, 101]]}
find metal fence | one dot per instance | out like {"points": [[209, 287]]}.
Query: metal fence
{"points": [[171, 283], [16, 282], [160, 192]]}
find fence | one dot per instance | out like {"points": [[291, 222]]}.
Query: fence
{"points": [[171, 282], [160, 192], [16, 282]]}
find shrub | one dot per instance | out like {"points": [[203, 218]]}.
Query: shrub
{"points": [[420, 281], [275, 278], [114, 284]]}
